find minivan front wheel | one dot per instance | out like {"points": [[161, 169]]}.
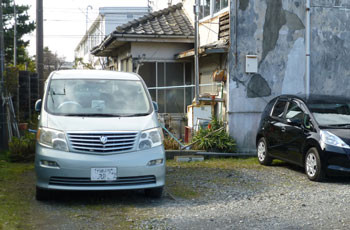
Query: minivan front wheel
{"points": [[313, 166], [42, 194], [263, 156]]}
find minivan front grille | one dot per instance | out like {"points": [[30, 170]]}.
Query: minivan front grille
{"points": [[103, 142], [121, 181]]}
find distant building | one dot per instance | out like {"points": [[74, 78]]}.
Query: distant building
{"points": [[108, 19]]}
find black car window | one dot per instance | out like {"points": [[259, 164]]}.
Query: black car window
{"points": [[279, 108], [294, 112]]}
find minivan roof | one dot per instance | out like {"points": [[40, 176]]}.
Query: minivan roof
{"points": [[318, 98], [93, 74]]}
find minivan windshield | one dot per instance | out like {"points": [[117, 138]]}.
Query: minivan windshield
{"points": [[331, 114], [85, 97]]}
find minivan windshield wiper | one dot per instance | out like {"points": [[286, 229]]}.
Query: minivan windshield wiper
{"points": [[136, 115], [91, 115]]}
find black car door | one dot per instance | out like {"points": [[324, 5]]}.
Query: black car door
{"points": [[294, 134], [275, 128]]}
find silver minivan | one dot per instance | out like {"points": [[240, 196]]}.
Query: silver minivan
{"points": [[98, 130]]}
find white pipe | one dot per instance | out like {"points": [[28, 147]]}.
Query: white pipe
{"points": [[307, 47], [196, 48]]}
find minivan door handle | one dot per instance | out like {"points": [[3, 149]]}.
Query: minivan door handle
{"points": [[283, 129]]}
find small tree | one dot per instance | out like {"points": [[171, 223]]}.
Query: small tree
{"points": [[214, 138]]}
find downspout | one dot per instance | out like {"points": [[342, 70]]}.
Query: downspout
{"points": [[196, 51], [307, 46]]}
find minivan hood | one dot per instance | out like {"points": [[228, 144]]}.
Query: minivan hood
{"points": [[66, 123], [344, 134]]}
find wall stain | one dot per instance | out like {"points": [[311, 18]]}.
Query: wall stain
{"points": [[243, 4], [293, 21], [258, 87], [275, 18]]}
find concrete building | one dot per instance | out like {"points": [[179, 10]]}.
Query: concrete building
{"points": [[273, 35], [107, 20]]}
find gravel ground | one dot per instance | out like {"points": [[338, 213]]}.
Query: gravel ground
{"points": [[215, 194], [257, 197]]}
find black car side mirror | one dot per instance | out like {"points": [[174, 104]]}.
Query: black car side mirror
{"points": [[38, 105], [294, 122]]}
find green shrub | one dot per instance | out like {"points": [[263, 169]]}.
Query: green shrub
{"points": [[217, 142], [22, 149]]}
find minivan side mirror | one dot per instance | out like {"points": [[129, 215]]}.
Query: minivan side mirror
{"points": [[155, 106], [38, 105]]}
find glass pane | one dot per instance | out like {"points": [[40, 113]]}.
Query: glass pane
{"points": [[174, 74], [224, 3], [148, 72], [161, 92], [279, 109], [153, 94], [175, 101], [217, 6], [294, 112], [188, 74], [205, 8], [161, 78], [189, 96], [189, 81], [103, 97], [161, 100], [331, 113]]}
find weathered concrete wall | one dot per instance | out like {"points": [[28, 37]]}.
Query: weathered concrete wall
{"points": [[330, 47], [273, 30]]}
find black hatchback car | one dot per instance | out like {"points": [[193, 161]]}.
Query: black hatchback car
{"points": [[311, 131]]}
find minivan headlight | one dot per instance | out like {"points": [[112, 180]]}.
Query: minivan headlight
{"points": [[150, 138], [52, 138], [331, 139]]}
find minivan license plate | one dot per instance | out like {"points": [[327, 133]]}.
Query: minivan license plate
{"points": [[103, 174]]}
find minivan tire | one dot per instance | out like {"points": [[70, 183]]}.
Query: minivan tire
{"points": [[42, 194], [313, 166], [154, 192], [263, 155]]}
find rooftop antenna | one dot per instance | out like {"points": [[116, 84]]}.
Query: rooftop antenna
{"points": [[87, 16]]}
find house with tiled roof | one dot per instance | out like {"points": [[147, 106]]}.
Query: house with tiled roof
{"points": [[159, 47], [148, 46]]}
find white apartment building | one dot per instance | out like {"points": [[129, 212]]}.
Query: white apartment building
{"points": [[107, 20]]}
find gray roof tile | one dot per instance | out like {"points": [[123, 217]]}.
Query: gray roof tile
{"points": [[169, 21]]}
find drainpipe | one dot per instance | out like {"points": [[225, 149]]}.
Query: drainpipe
{"points": [[196, 46], [307, 46]]}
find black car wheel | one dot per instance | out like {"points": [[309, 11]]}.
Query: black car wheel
{"points": [[154, 192], [313, 167], [263, 156]]}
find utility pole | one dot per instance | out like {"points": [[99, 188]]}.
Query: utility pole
{"points": [[14, 35], [196, 47], [3, 125], [40, 45]]}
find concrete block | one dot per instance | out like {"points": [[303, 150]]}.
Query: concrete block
{"points": [[188, 158]]}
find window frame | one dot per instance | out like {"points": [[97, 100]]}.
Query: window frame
{"points": [[212, 14], [155, 88], [284, 110]]}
